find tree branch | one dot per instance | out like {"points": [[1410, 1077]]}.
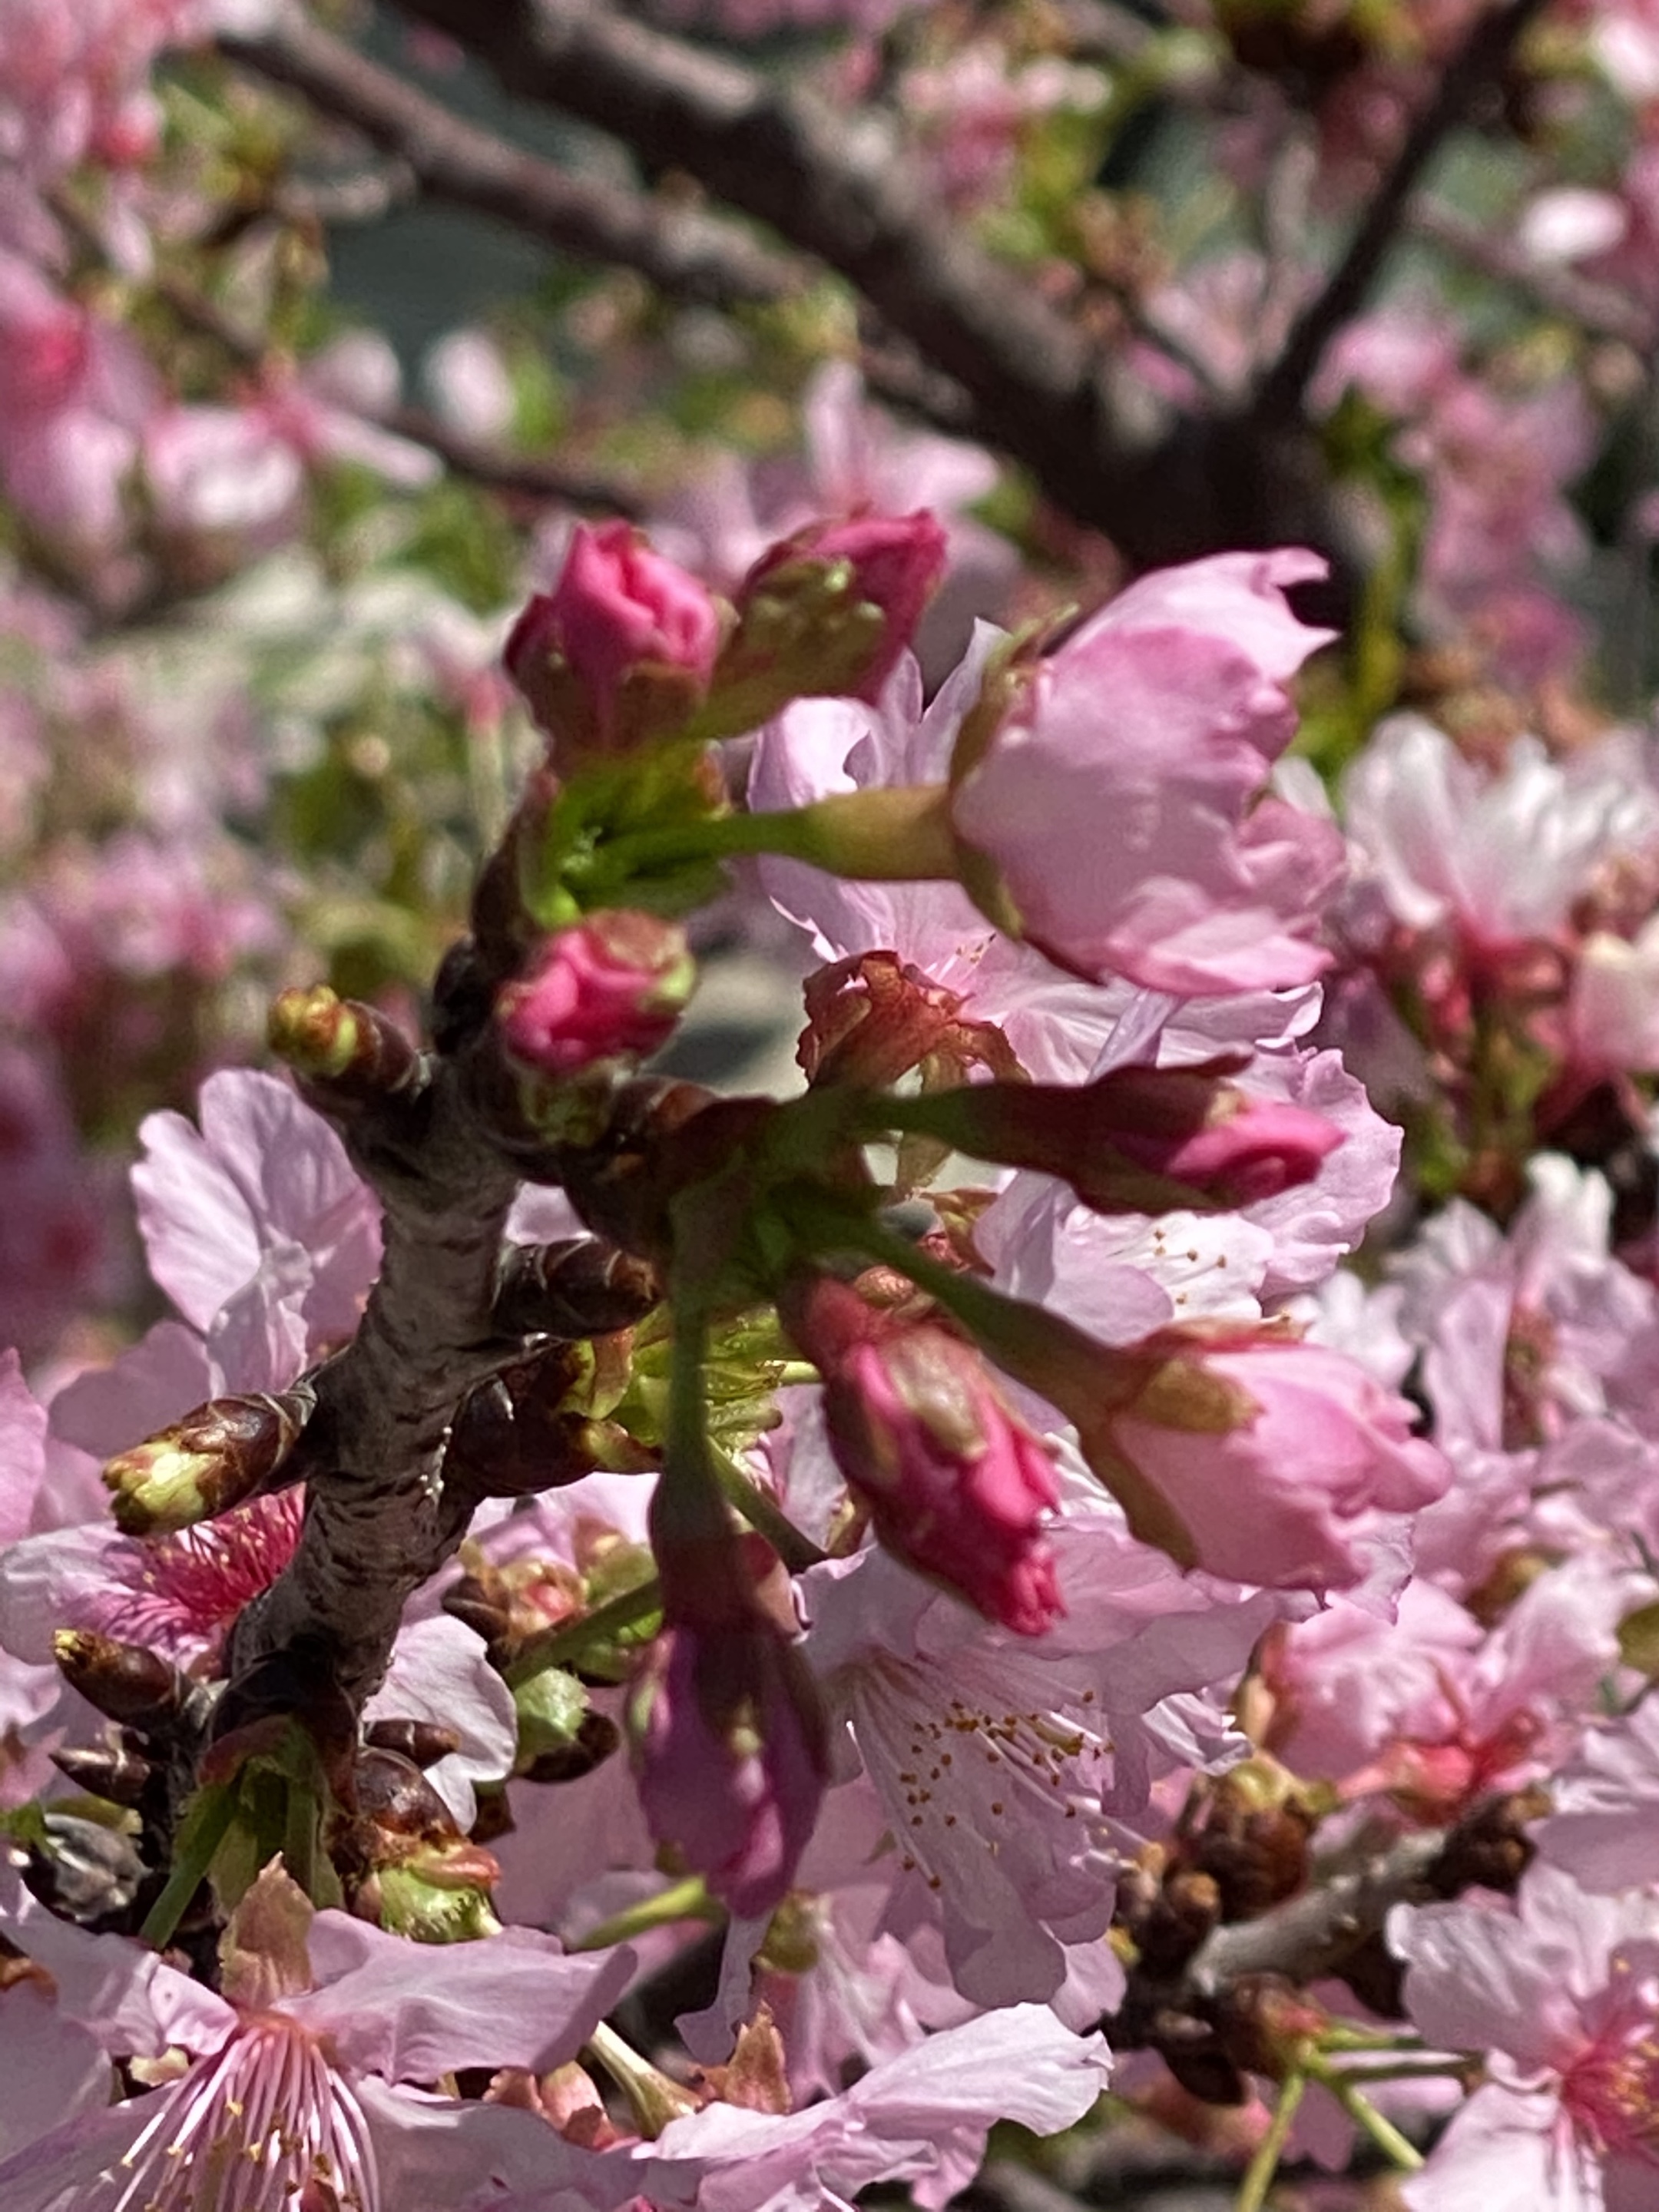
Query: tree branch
{"points": [[1603, 310], [1478, 60], [836, 186], [688, 254]]}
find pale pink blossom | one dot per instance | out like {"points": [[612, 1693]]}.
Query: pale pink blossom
{"points": [[1119, 801], [75, 393], [1604, 1800], [921, 2116], [265, 1177], [1560, 1997], [1613, 1004], [1009, 1768], [287, 2086], [1498, 859], [1258, 1457], [1432, 1708]]}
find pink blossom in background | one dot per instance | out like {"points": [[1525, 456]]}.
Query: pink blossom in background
{"points": [[56, 1255], [1498, 858], [974, 106], [75, 395], [1495, 467]]}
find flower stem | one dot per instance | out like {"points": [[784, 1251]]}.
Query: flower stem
{"points": [[200, 1837], [1258, 2174], [891, 834], [558, 1647], [683, 1900], [763, 1512], [1365, 2114]]}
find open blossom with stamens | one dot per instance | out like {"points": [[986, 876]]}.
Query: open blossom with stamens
{"points": [[1562, 1993], [287, 2095], [1004, 1766]]}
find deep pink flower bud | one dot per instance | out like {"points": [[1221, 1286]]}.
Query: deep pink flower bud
{"points": [[610, 987], [730, 1748], [955, 1485], [620, 651], [1136, 1139], [897, 560]]}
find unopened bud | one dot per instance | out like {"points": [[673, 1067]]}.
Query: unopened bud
{"points": [[1137, 1139], [829, 611], [347, 1052], [111, 1772], [124, 1681], [956, 1483], [222, 1453], [581, 1287], [423, 1743], [531, 1427], [618, 654], [612, 987]]}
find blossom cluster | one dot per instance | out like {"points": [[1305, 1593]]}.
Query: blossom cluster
{"points": [[1095, 1569], [573, 1639]]}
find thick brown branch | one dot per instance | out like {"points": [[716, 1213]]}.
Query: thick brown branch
{"points": [[686, 252], [378, 1523], [1476, 63], [838, 187]]}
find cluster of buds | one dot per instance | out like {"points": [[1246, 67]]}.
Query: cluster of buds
{"points": [[628, 651]]}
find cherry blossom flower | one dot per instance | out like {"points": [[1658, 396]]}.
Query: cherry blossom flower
{"points": [[1498, 859], [1136, 842], [1600, 1827], [265, 1176], [1004, 1765], [921, 2116], [288, 2085], [857, 460], [1561, 1995]]}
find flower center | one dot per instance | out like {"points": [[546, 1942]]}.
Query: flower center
{"points": [[1611, 2094], [265, 2126], [189, 1587]]}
